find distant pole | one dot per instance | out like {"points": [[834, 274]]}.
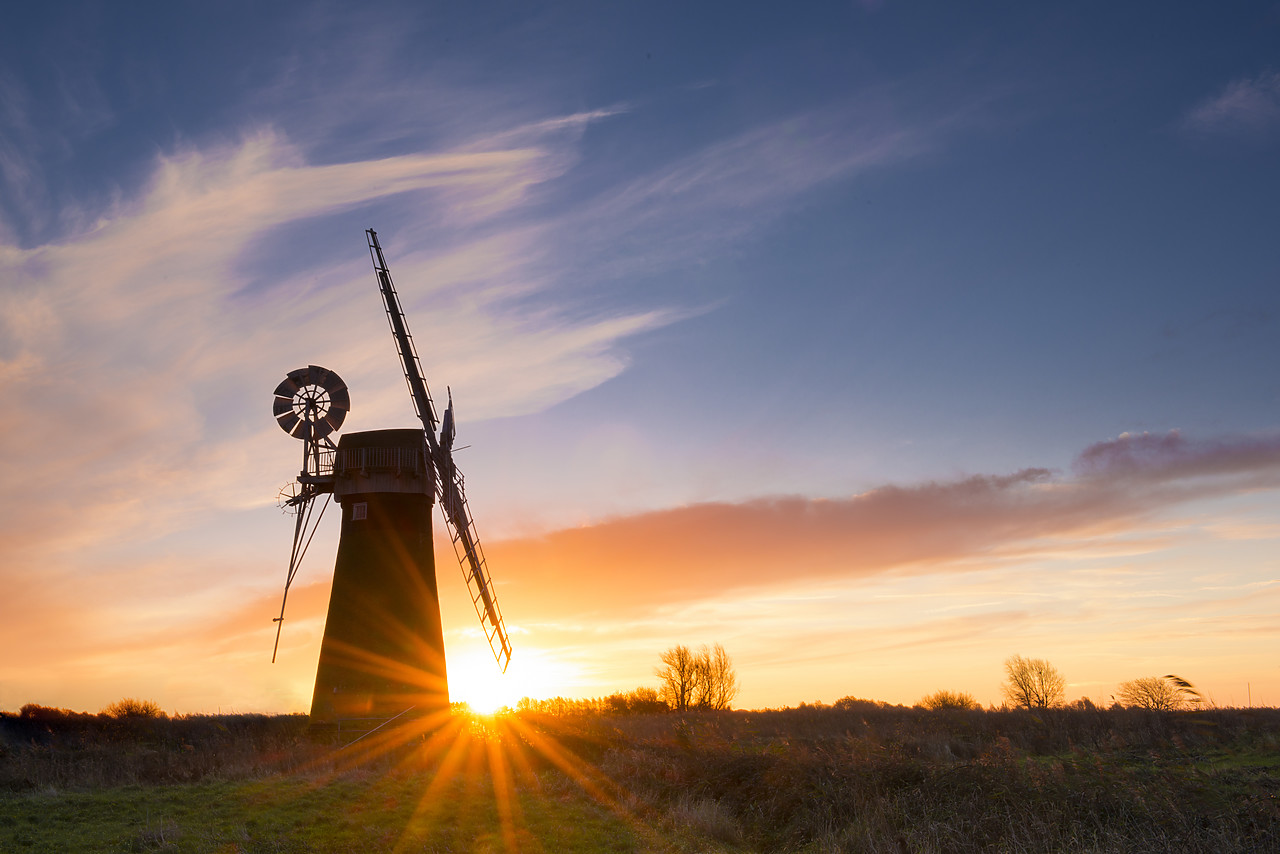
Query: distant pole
{"points": [[1249, 687]]}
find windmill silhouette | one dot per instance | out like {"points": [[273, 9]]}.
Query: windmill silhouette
{"points": [[383, 650]]}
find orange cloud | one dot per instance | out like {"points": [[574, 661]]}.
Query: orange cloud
{"points": [[704, 550], [947, 567]]}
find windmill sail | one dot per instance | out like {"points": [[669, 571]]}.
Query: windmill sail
{"points": [[448, 480]]}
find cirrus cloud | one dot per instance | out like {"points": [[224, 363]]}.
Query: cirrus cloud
{"points": [[1247, 106]]}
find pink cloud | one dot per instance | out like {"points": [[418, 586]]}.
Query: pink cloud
{"points": [[1171, 456], [704, 550]]}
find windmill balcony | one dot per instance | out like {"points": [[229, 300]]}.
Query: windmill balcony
{"points": [[381, 461], [398, 460], [319, 465]]}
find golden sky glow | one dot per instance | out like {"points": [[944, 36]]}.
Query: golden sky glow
{"points": [[813, 338]]}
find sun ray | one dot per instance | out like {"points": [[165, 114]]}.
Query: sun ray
{"points": [[504, 793], [451, 746]]}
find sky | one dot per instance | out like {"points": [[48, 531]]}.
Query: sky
{"points": [[875, 341]]}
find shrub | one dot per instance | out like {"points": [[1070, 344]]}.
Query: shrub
{"points": [[34, 712], [645, 701], [851, 703], [130, 707], [950, 700], [1160, 693]]}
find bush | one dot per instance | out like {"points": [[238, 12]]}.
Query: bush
{"points": [[34, 712], [130, 707], [851, 703], [641, 701], [1161, 693], [950, 700]]}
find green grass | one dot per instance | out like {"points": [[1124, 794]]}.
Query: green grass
{"points": [[857, 777], [382, 813]]}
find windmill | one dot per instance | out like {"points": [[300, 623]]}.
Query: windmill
{"points": [[383, 648]]}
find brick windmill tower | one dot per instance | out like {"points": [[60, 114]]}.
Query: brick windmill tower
{"points": [[383, 650]]}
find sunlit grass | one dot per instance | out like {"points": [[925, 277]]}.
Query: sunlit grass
{"points": [[452, 781], [500, 749], [351, 814], [856, 777], [498, 752]]}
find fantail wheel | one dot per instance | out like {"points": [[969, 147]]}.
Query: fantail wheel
{"points": [[311, 403]]}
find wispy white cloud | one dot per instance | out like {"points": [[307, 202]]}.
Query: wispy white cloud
{"points": [[131, 346], [676, 214], [537, 131], [680, 212], [1247, 106], [23, 191], [138, 356], [38, 135], [140, 353], [137, 362]]}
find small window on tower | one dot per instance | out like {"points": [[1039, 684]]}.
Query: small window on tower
{"points": [[359, 511]]}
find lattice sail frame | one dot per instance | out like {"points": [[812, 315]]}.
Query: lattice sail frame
{"points": [[470, 555], [448, 480]]}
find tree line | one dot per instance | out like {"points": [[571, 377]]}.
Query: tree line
{"points": [[689, 680], [1034, 683], [705, 679]]}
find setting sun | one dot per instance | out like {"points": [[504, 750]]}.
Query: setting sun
{"points": [[678, 367], [474, 678], [817, 339]]}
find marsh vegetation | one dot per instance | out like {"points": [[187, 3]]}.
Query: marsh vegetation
{"points": [[852, 776]]}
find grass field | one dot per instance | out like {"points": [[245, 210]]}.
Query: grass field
{"points": [[857, 776]]}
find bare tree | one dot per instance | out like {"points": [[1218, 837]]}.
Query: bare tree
{"points": [[705, 680], [720, 682], [1162, 693], [678, 677], [1033, 683]]}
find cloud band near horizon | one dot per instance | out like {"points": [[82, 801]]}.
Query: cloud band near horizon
{"points": [[705, 550]]}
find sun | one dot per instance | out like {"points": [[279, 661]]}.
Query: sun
{"points": [[488, 699], [475, 679], [482, 686]]}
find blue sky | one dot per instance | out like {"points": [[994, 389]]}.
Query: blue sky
{"points": [[998, 281]]}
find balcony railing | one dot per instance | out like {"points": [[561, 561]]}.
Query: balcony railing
{"points": [[398, 460], [320, 465]]}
